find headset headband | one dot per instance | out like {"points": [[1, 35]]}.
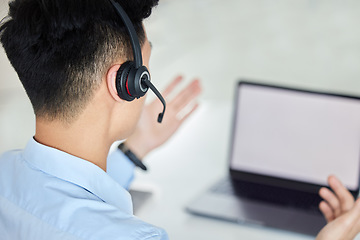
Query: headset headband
{"points": [[140, 69], [132, 33]]}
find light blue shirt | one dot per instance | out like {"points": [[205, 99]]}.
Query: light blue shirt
{"points": [[48, 194]]}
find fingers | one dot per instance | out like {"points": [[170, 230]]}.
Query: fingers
{"points": [[344, 196], [332, 202], [326, 211], [172, 86], [345, 227], [187, 114], [337, 202], [182, 104], [188, 94]]}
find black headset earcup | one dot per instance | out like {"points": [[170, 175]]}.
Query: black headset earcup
{"points": [[129, 81], [122, 81], [135, 85]]}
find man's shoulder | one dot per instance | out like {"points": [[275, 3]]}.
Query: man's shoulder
{"points": [[47, 206], [95, 219], [78, 219], [98, 220], [9, 155], [10, 162], [13, 168]]}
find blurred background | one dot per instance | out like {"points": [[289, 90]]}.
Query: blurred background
{"points": [[312, 44]]}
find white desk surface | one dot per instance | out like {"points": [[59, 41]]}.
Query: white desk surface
{"points": [[194, 159]]}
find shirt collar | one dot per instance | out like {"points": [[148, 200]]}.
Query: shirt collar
{"points": [[79, 172]]}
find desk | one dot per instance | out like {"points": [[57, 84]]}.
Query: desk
{"points": [[187, 165]]}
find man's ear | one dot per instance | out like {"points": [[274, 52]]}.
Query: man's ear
{"points": [[111, 82]]}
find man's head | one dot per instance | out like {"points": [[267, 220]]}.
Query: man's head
{"points": [[61, 49]]}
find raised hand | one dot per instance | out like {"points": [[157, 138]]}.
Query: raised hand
{"points": [[149, 134]]}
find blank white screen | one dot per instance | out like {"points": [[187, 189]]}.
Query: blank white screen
{"points": [[296, 135]]}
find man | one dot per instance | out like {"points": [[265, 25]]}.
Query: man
{"points": [[63, 185], [67, 54]]}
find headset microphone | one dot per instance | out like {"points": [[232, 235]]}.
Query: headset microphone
{"points": [[133, 79], [157, 93]]}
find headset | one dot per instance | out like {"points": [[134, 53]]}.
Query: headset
{"points": [[133, 79]]}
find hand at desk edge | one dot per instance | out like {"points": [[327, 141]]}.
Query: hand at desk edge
{"points": [[341, 212]]}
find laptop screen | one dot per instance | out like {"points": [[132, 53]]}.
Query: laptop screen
{"points": [[297, 135]]}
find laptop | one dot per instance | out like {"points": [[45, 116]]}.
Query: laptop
{"points": [[285, 143]]}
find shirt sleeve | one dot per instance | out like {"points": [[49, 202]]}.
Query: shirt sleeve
{"points": [[120, 168]]}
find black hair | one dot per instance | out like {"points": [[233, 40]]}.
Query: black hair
{"points": [[60, 49]]}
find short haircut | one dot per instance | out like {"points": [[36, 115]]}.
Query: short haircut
{"points": [[60, 49]]}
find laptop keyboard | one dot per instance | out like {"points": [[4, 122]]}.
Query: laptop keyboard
{"points": [[275, 195]]}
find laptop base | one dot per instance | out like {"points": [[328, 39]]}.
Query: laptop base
{"points": [[244, 211]]}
